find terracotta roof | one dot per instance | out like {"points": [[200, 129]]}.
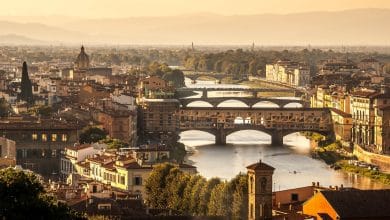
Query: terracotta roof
{"points": [[342, 113], [260, 166], [364, 94], [78, 147], [367, 204]]}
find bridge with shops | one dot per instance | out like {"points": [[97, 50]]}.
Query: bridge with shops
{"points": [[249, 101], [255, 92], [276, 122]]}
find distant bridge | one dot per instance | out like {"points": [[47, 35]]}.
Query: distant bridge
{"points": [[249, 101], [182, 92], [277, 122]]}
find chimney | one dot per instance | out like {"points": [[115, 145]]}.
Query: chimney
{"points": [[313, 183], [318, 184], [341, 186], [337, 188], [278, 205]]}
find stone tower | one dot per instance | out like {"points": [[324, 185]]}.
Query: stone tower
{"points": [[260, 191]]}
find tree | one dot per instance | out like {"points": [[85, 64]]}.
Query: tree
{"points": [[176, 77], [155, 186], [239, 187], [220, 201], [187, 193], [205, 195], [115, 143], [176, 183], [92, 135], [23, 197], [4, 107], [26, 86], [195, 196], [177, 151]]}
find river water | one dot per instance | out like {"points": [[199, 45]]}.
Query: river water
{"points": [[294, 166]]}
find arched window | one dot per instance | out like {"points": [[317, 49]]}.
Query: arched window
{"points": [[263, 184], [251, 184]]}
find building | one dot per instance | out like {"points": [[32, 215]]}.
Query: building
{"points": [[153, 87], [73, 155], [260, 191], [39, 142], [125, 170], [369, 119], [119, 124], [349, 204], [342, 124], [337, 66], [286, 71], [93, 92], [159, 118], [82, 62], [83, 69], [7, 152], [370, 64]]}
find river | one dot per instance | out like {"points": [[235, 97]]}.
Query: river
{"points": [[293, 165]]}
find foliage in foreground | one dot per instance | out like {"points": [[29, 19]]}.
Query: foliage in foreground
{"points": [[23, 197], [170, 188], [92, 135]]}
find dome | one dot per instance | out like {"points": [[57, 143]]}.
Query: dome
{"points": [[82, 61]]}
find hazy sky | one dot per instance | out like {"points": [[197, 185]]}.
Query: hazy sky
{"points": [[128, 8]]}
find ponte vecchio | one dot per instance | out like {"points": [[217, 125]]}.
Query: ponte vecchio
{"points": [[277, 122]]}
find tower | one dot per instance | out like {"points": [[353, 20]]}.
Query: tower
{"points": [[26, 86], [260, 191]]}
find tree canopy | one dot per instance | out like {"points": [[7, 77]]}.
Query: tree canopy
{"points": [[23, 197], [92, 135], [169, 188]]}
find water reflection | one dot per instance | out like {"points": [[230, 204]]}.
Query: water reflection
{"points": [[294, 166]]}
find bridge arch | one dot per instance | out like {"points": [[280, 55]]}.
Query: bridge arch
{"points": [[225, 103], [199, 103], [265, 104], [293, 104], [262, 137]]}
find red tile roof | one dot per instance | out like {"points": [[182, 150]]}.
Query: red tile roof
{"points": [[260, 166]]}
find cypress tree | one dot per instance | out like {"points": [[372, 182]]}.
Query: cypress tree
{"points": [[26, 87]]}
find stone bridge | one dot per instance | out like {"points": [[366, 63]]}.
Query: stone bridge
{"points": [[277, 122], [249, 101], [196, 75], [183, 92]]}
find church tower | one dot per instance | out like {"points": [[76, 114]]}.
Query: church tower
{"points": [[260, 191]]}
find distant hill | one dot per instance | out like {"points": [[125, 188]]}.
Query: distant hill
{"points": [[351, 27], [12, 39]]}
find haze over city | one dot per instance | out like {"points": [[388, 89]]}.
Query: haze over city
{"points": [[282, 22], [195, 109]]}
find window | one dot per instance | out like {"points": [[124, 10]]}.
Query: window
{"points": [[64, 138], [294, 197], [34, 137], [44, 137], [54, 137], [54, 153], [137, 181], [252, 211], [122, 180]]}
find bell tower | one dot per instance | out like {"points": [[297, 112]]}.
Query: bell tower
{"points": [[260, 191]]}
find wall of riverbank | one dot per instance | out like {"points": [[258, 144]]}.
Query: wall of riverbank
{"points": [[382, 161]]}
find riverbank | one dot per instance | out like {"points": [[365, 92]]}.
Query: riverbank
{"points": [[339, 158]]}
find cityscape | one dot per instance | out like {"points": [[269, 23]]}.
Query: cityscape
{"points": [[195, 110]]}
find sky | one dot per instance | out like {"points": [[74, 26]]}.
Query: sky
{"points": [[138, 8]]}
